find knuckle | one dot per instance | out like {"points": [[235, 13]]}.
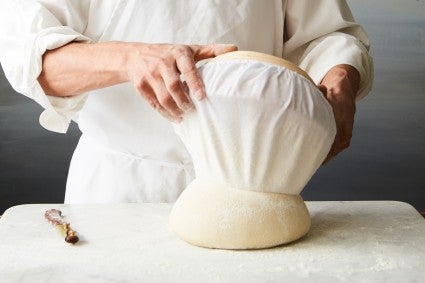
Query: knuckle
{"points": [[181, 50], [165, 61], [140, 85], [174, 85], [166, 100], [337, 89], [191, 70], [154, 71], [162, 61]]}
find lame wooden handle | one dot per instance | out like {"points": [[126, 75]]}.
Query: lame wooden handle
{"points": [[54, 216]]}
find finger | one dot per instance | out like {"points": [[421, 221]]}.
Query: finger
{"points": [[328, 158], [342, 140], [324, 90], [209, 51], [166, 100], [149, 95], [333, 151], [186, 65], [175, 87], [345, 136]]}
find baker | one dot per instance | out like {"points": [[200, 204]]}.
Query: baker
{"points": [[116, 68]]}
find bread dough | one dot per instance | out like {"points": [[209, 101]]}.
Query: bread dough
{"points": [[214, 215]]}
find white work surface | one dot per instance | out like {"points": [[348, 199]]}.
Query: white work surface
{"points": [[348, 242]]}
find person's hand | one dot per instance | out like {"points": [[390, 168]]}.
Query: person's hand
{"points": [[340, 86], [155, 69]]}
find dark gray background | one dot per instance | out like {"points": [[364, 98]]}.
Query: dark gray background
{"points": [[386, 160]]}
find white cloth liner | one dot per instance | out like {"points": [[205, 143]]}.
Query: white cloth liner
{"points": [[262, 127]]}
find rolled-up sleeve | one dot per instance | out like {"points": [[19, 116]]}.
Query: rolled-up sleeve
{"points": [[321, 34], [27, 30]]}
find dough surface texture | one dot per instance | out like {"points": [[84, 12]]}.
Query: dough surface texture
{"points": [[216, 216]]}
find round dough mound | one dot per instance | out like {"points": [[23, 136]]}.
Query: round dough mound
{"points": [[217, 216]]}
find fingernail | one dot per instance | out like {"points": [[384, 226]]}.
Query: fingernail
{"points": [[178, 120], [167, 115], [188, 107], [228, 45], [199, 94], [225, 48]]}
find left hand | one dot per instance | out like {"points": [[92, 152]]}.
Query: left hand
{"points": [[340, 86]]}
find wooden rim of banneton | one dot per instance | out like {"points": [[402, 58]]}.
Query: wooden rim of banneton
{"points": [[267, 58]]}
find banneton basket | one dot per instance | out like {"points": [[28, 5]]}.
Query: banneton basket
{"points": [[256, 140]]}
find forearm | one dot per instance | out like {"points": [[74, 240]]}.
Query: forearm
{"points": [[155, 71], [79, 67]]}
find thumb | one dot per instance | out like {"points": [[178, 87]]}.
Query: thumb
{"points": [[201, 52]]}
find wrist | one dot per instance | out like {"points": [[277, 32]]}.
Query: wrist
{"points": [[122, 52]]}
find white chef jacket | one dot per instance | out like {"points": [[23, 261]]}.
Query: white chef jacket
{"points": [[128, 152]]}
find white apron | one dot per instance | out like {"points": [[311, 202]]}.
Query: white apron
{"points": [[128, 152]]}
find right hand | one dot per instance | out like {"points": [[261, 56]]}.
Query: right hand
{"points": [[155, 69], [339, 86]]}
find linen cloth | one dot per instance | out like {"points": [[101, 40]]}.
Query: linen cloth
{"points": [[262, 127]]}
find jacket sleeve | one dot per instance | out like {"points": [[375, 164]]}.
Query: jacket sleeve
{"points": [[320, 34], [27, 29]]}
